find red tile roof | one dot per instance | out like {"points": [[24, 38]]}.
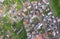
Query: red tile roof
{"points": [[1, 10], [35, 37], [39, 37]]}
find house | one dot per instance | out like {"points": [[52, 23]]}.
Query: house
{"points": [[1, 37], [49, 19], [1, 0], [22, 14], [25, 21], [34, 2], [58, 20], [53, 17], [46, 1], [8, 34], [41, 10], [39, 3], [1, 10], [43, 6], [49, 13], [35, 37], [39, 25], [29, 36], [43, 15], [25, 9], [33, 32], [54, 34], [54, 21], [39, 37], [29, 7]]}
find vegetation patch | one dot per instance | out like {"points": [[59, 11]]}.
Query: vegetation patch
{"points": [[56, 7]]}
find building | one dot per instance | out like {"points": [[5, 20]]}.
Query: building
{"points": [[1, 37], [46, 1], [1, 0], [39, 37]]}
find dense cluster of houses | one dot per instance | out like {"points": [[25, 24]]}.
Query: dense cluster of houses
{"points": [[39, 21]]}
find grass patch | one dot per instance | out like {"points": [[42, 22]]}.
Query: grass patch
{"points": [[7, 26], [55, 7], [33, 0]]}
